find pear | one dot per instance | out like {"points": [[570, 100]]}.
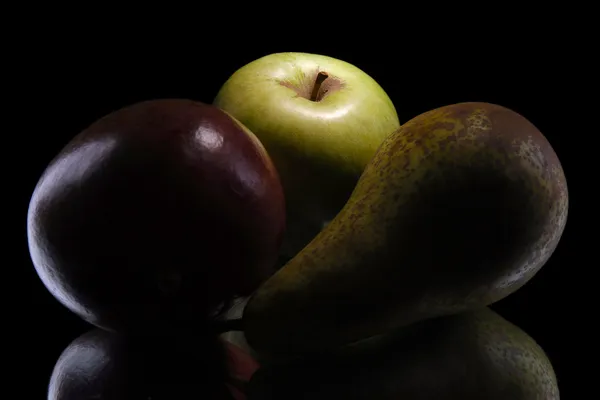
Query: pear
{"points": [[460, 207], [475, 355]]}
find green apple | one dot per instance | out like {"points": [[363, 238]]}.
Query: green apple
{"points": [[321, 121]]}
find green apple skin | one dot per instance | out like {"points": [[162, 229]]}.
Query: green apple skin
{"points": [[319, 146]]}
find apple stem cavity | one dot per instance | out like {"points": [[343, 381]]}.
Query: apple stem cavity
{"points": [[321, 76]]}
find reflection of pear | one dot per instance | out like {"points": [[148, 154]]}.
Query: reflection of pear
{"points": [[459, 208], [476, 355]]}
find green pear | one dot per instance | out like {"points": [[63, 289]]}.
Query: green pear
{"points": [[459, 208], [471, 356], [321, 121]]}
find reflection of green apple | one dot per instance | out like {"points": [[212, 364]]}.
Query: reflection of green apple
{"points": [[321, 120]]}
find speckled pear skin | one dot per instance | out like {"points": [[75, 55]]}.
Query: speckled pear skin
{"points": [[459, 208], [471, 356]]}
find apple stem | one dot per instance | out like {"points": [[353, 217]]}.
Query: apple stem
{"points": [[321, 76]]}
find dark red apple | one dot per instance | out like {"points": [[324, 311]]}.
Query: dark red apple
{"points": [[101, 365], [157, 213]]}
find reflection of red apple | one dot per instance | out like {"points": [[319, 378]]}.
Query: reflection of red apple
{"points": [[107, 366]]}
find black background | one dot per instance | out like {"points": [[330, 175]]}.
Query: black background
{"points": [[82, 81]]}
